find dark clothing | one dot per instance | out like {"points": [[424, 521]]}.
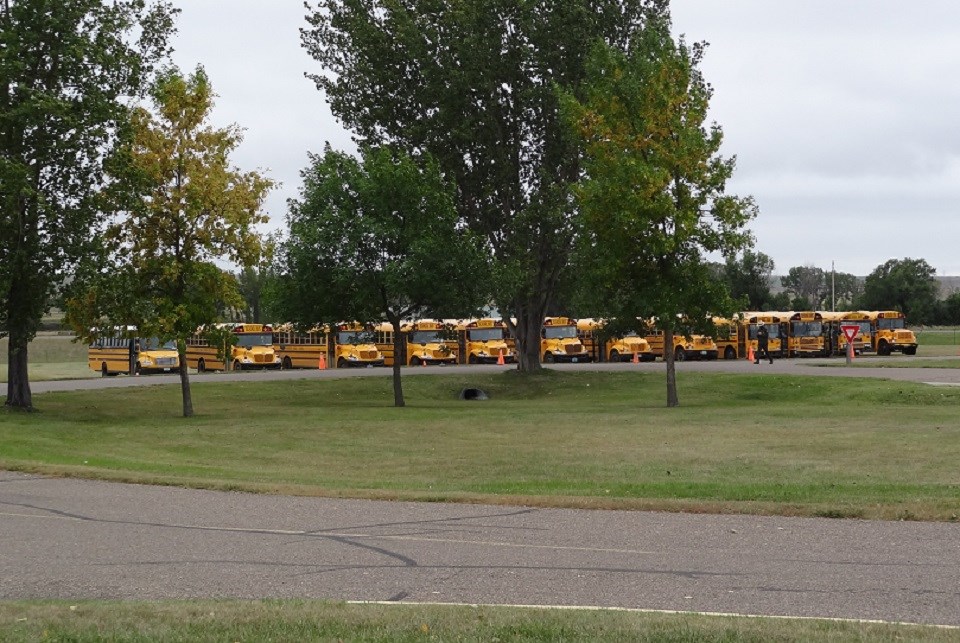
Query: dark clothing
{"points": [[763, 351]]}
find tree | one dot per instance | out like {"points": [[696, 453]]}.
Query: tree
{"points": [[808, 285], [184, 207], [251, 282], [652, 200], [780, 301], [378, 239], [66, 70], [948, 310], [907, 285], [472, 83], [844, 289], [748, 277]]}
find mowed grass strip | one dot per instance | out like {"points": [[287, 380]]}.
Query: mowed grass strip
{"points": [[51, 357], [206, 620], [765, 444]]}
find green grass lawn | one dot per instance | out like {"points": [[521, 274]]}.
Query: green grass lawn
{"points": [[86, 621], [937, 336], [51, 357], [739, 443]]}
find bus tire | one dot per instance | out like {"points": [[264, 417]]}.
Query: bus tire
{"points": [[472, 359], [341, 363], [910, 350], [237, 366], [548, 358], [103, 370], [201, 366], [729, 353], [414, 361], [883, 348], [680, 355], [614, 355], [286, 364]]}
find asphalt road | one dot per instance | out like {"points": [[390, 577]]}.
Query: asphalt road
{"points": [[816, 367], [84, 539]]}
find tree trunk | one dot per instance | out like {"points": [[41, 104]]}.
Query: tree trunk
{"points": [[668, 356], [18, 380], [527, 335], [397, 356], [185, 381]]}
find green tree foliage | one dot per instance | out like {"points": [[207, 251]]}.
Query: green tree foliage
{"points": [[843, 290], [67, 69], [748, 277], [378, 239], [907, 285], [653, 201], [252, 281], [780, 301], [472, 83], [182, 208], [808, 285], [948, 310]]}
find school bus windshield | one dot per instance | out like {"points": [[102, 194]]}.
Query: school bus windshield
{"points": [[485, 334], [807, 329], [890, 323], [559, 332], [249, 340], [354, 337], [154, 343], [426, 337], [773, 330]]}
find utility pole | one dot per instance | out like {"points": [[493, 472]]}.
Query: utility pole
{"points": [[833, 287]]}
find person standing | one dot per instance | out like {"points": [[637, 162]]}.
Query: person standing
{"points": [[763, 338]]}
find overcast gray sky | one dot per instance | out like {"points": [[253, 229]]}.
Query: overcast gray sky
{"points": [[842, 115]]}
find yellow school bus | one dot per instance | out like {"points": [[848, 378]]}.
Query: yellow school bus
{"points": [[729, 339], [776, 325], [890, 333], [807, 336], [253, 349], [429, 341], [835, 320], [121, 349], [614, 349], [692, 347], [356, 344], [298, 349], [559, 341], [484, 341]]}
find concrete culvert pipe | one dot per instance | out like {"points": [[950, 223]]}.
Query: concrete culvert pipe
{"points": [[473, 394]]}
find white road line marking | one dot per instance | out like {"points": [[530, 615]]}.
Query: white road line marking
{"points": [[639, 610]]}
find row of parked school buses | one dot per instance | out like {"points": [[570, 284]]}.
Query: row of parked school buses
{"points": [[816, 333], [479, 341]]}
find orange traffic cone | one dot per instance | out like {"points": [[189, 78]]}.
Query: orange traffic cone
{"points": [[750, 355], [322, 365], [423, 363], [500, 360], [636, 357]]}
